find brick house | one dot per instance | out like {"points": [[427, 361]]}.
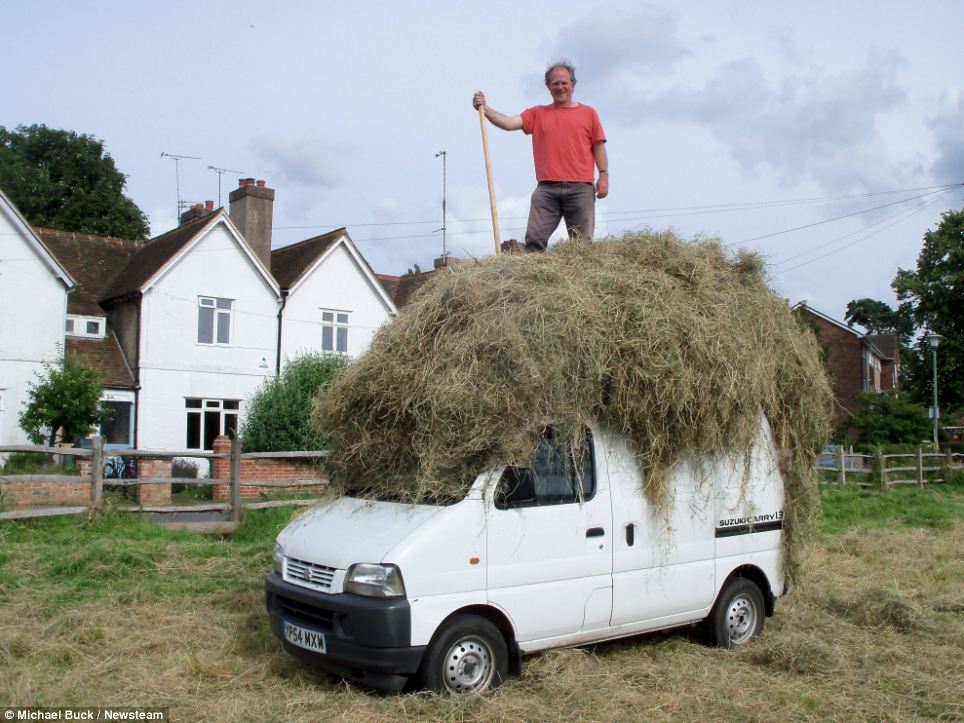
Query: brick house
{"points": [[855, 362]]}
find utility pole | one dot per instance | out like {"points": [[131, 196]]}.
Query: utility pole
{"points": [[445, 253], [177, 177], [220, 172], [934, 340]]}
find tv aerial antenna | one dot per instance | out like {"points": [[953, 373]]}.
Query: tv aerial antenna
{"points": [[221, 172], [177, 176]]}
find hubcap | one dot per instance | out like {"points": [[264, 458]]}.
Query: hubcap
{"points": [[468, 666], [741, 618]]}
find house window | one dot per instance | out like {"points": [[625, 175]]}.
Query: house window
{"points": [[208, 418], [85, 326], [116, 431], [214, 320], [334, 331]]}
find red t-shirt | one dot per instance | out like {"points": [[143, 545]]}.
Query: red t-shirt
{"points": [[562, 141]]}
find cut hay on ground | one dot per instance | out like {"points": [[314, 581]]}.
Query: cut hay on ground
{"points": [[676, 345]]}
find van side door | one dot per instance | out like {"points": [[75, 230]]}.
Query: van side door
{"points": [[663, 559], [549, 542]]}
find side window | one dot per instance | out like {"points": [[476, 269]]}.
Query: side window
{"points": [[556, 475]]}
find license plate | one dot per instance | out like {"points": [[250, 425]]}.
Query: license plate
{"points": [[303, 637]]}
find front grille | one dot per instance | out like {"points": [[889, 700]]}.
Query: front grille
{"points": [[314, 617], [308, 574]]}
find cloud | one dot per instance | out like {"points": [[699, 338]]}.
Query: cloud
{"points": [[305, 159], [606, 46], [946, 126], [819, 125]]}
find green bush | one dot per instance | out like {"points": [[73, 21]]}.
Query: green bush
{"points": [[35, 463], [277, 418], [889, 418]]}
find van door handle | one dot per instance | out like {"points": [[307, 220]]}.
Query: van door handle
{"points": [[595, 532], [630, 534]]}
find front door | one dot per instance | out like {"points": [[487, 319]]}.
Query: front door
{"points": [[550, 543]]}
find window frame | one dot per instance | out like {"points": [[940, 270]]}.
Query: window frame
{"points": [[202, 408], [579, 494], [217, 313], [338, 329], [79, 326]]}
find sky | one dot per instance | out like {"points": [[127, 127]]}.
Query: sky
{"points": [[822, 135]]}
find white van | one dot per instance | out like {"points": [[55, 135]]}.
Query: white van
{"points": [[379, 592]]}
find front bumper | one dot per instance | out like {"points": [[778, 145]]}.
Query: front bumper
{"points": [[368, 639]]}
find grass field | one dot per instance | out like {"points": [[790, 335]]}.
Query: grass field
{"points": [[120, 612]]}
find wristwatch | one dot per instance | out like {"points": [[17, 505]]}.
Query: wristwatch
{"points": [[602, 171]]}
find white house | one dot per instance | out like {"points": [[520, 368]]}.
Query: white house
{"points": [[332, 300], [185, 327], [33, 306], [93, 262], [197, 310]]}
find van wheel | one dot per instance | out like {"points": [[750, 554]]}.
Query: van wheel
{"points": [[738, 615], [468, 655]]}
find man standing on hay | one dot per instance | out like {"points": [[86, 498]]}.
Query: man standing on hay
{"points": [[568, 145]]}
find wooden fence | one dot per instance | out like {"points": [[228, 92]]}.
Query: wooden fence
{"points": [[887, 470], [881, 470], [97, 481]]}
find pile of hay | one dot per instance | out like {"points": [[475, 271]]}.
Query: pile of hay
{"points": [[676, 345]]}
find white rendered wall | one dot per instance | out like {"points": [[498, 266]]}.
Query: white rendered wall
{"points": [[174, 365], [337, 284], [33, 307]]}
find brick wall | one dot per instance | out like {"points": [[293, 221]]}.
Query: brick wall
{"points": [[156, 494], [44, 493], [845, 364], [258, 470]]}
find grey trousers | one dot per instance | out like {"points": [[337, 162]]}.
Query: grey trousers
{"points": [[554, 200]]}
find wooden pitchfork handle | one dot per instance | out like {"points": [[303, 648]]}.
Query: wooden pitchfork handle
{"points": [[488, 178]]}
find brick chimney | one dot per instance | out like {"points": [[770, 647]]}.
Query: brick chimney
{"points": [[251, 205], [197, 210]]}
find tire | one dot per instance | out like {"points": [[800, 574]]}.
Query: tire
{"points": [[468, 655], [738, 615]]}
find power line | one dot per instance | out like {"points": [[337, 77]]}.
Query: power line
{"points": [[846, 215], [905, 215], [737, 206]]}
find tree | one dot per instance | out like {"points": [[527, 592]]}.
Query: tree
{"points": [[62, 180], [876, 317], [933, 296], [64, 399], [278, 415], [890, 418]]}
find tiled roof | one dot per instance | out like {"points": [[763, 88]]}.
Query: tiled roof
{"points": [[153, 255], [93, 261], [403, 288], [290, 262], [886, 344], [106, 357]]}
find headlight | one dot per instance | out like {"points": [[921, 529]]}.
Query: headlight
{"points": [[278, 559], [373, 580]]}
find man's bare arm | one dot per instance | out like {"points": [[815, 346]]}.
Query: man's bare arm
{"points": [[602, 163], [499, 120]]}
